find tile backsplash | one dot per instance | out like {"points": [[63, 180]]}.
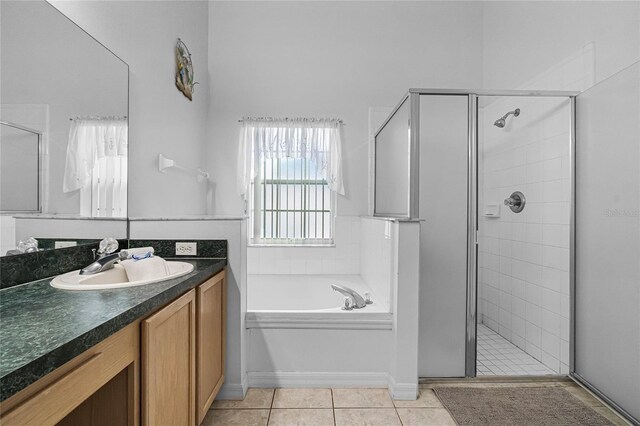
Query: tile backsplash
{"points": [[212, 249], [22, 268]]}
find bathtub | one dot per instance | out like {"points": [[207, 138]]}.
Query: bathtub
{"points": [[307, 301], [298, 335]]}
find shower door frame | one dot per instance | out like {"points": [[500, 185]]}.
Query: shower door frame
{"points": [[472, 199], [472, 285]]}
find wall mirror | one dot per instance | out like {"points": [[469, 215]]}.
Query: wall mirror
{"points": [[64, 130]]}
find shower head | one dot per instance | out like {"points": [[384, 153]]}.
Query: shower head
{"points": [[500, 122]]}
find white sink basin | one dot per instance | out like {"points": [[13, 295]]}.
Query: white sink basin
{"points": [[114, 278]]}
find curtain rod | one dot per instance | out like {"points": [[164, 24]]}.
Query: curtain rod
{"points": [[242, 120]]}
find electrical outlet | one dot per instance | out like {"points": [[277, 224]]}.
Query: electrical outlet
{"points": [[186, 249]]}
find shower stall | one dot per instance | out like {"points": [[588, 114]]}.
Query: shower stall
{"points": [[491, 176]]}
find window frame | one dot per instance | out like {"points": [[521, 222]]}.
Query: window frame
{"points": [[256, 211]]}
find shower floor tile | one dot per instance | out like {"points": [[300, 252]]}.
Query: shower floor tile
{"points": [[498, 357]]}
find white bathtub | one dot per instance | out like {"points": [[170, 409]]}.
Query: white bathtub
{"points": [[308, 301], [298, 335]]}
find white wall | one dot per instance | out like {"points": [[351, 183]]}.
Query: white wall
{"points": [[162, 120], [607, 333], [56, 226], [522, 39], [7, 234], [329, 59]]}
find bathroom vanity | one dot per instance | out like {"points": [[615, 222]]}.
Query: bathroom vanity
{"points": [[147, 355]]}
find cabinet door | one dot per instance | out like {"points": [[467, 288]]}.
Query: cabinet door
{"points": [[211, 313], [168, 364]]}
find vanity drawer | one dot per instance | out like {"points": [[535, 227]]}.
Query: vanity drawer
{"points": [[52, 398]]}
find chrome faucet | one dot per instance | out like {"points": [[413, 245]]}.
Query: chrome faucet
{"points": [[104, 263], [107, 257], [355, 300]]}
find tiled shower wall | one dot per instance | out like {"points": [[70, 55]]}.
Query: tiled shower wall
{"points": [[524, 258]]}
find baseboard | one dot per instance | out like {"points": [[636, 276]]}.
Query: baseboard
{"points": [[317, 380], [233, 391], [402, 391]]}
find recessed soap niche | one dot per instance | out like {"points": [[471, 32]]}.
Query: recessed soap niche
{"points": [[491, 210]]}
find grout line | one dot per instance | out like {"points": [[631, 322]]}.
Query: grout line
{"points": [[396, 408], [273, 397], [333, 407]]}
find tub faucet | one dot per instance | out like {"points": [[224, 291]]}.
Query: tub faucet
{"points": [[358, 301]]}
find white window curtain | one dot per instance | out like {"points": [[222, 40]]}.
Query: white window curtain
{"points": [[317, 139], [96, 164]]}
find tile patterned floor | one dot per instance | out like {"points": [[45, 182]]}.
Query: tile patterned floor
{"points": [[331, 407], [355, 407], [499, 357]]}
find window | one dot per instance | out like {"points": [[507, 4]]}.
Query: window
{"points": [[289, 177], [292, 203]]}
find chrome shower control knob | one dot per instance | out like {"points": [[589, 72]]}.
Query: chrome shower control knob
{"points": [[367, 298], [516, 202]]}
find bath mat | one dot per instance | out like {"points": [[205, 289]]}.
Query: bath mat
{"points": [[534, 406]]}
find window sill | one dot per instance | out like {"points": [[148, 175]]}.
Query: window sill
{"points": [[296, 245]]}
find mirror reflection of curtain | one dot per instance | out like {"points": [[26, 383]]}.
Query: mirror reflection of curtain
{"points": [[96, 165]]}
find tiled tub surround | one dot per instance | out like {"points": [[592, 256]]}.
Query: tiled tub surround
{"points": [[524, 258], [44, 327], [308, 302], [300, 293], [318, 344], [342, 258], [362, 247]]}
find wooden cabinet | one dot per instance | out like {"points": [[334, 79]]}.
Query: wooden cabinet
{"points": [[211, 330], [169, 364], [98, 387], [183, 354], [163, 370]]}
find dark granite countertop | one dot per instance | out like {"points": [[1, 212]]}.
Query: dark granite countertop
{"points": [[42, 327]]}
